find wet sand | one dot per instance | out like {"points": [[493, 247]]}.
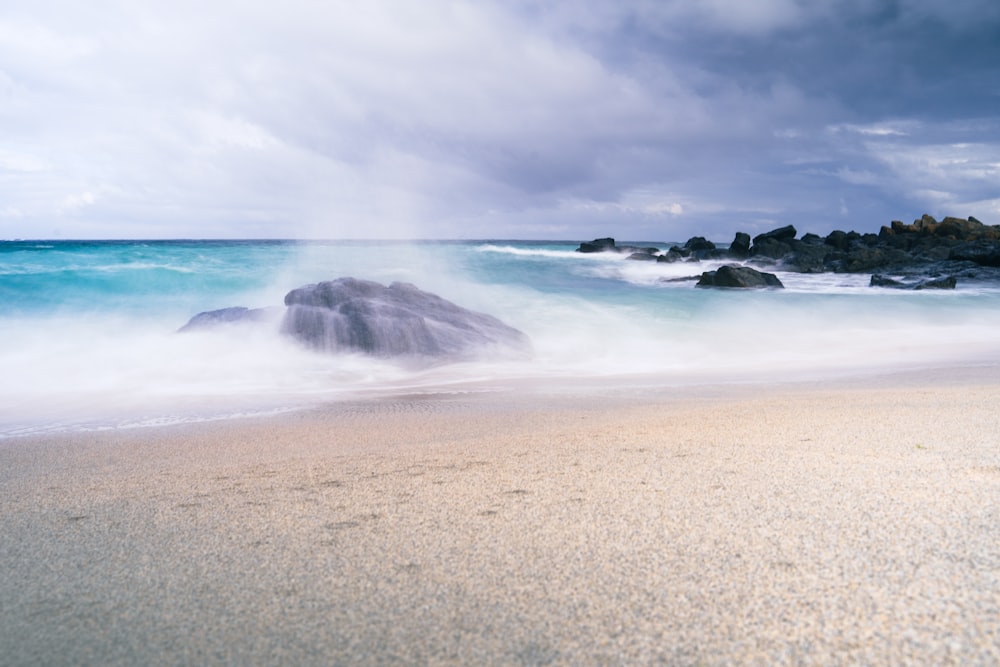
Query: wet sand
{"points": [[853, 522]]}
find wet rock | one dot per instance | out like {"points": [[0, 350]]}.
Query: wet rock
{"points": [[740, 277], [780, 234], [354, 315], [608, 245], [700, 248], [984, 253], [926, 246], [774, 244], [947, 282], [597, 245], [807, 257], [740, 247], [229, 316], [675, 254]]}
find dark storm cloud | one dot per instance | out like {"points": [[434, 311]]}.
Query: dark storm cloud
{"points": [[517, 119]]}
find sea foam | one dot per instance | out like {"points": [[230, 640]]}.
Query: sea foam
{"points": [[83, 352]]}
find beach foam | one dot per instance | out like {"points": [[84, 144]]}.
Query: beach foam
{"points": [[92, 353]]}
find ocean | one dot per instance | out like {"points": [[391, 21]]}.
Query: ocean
{"points": [[88, 329]]}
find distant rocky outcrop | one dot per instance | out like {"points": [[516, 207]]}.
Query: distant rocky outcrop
{"points": [[598, 245], [927, 252], [354, 315], [740, 277], [910, 248], [608, 245]]}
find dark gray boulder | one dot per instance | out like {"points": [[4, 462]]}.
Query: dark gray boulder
{"points": [[946, 282], [229, 316], [743, 277], [774, 244], [786, 233], [740, 247], [984, 253], [354, 315], [807, 257], [597, 245], [675, 254]]}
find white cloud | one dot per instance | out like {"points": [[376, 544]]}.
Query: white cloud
{"points": [[219, 131], [77, 201], [434, 118], [962, 165], [883, 129], [858, 177], [32, 43], [23, 162]]}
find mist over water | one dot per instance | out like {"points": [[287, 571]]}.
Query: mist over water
{"points": [[88, 331]]}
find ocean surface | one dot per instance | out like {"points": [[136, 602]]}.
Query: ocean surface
{"points": [[88, 330]]}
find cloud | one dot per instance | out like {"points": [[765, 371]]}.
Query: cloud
{"points": [[77, 201], [461, 118], [944, 174], [862, 177], [884, 129]]}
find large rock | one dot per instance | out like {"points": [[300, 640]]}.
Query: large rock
{"points": [[984, 253], [399, 320], [607, 244], [740, 247], [597, 245], [774, 244], [743, 277]]}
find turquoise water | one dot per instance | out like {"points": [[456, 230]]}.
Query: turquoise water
{"points": [[88, 329]]}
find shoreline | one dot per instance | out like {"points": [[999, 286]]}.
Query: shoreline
{"points": [[638, 386], [822, 521]]}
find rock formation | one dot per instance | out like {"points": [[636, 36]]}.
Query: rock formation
{"points": [[354, 315], [742, 277], [926, 249]]}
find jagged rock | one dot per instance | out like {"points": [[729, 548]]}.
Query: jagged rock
{"points": [[732, 275], [867, 258], [608, 245], [228, 316], [983, 253], [838, 239], [740, 247], [925, 246], [354, 315], [637, 250], [969, 229], [597, 245], [878, 280], [780, 234], [643, 256], [675, 254], [701, 248], [774, 244], [807, 257], [770, 248], [948, 282], [634, 251]]}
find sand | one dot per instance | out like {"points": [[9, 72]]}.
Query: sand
{"points": [[855, 522]]}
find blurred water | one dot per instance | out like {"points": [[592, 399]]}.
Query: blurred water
{"points": [[88, 329]]}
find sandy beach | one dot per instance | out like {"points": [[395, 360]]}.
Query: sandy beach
{"points": [[854, 522]]}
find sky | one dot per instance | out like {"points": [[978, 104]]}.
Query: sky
{"points": [[515, 119]]}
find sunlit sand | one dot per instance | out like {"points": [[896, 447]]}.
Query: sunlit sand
{"points": [[847, 523]]}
